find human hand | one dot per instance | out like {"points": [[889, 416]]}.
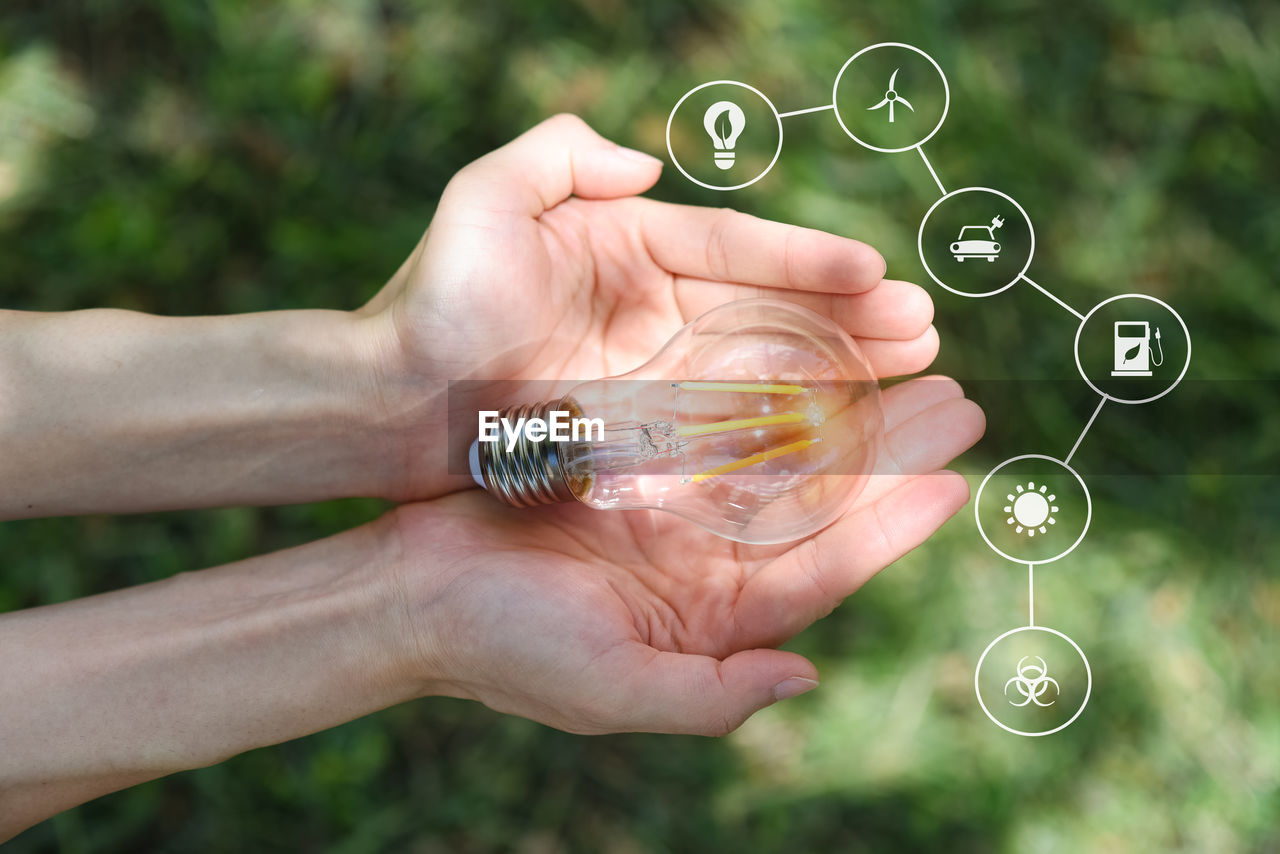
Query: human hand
{"points": [[603, 621], [541, 264]]}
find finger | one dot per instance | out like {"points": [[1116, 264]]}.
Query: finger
{"points": [[890, 309], [545, 165], [932, 438], [809, 581], [924, 442], [697, 694], [908, 399], [899, 358], [728, 246], [888, 357]]}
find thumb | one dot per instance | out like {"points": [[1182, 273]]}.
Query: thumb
{"points": [[678, 693], [542, 167]]}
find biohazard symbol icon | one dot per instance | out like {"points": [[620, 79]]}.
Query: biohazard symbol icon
{"points": [[1033, 682]]}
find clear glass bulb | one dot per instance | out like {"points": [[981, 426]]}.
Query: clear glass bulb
{"points": [[759, 421]]}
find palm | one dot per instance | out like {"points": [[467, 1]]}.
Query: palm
{"points": [[599, 309], [646, 576], [595, 288], [570, 585]]}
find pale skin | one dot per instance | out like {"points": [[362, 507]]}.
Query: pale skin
{"points": [[540, 263]]}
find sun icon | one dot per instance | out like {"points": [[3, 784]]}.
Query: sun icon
{"points": [[1031, 509]]}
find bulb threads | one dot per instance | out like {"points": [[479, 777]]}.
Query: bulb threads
{"points": [[532, 472]]}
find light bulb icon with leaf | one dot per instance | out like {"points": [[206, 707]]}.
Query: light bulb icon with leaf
{"points": [[724, 121]]}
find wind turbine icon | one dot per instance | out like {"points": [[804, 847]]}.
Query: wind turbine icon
{"points": [[891, 97]]}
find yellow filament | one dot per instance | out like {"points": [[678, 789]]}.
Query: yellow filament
{"points": [[738, 424], [754, 459], [749, 388]]}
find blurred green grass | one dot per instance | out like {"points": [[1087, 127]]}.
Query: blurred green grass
{"points": [[186, 157]]}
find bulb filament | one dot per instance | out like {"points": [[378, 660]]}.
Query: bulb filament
{"points": [[629, 445], [743, 388], [756, 459], [738, 424]]}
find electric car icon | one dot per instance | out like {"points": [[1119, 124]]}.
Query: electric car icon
{"points": [[977, 241]]}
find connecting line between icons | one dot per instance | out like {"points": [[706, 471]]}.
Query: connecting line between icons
{"points": [[1052, 297], [941, 189], [1080, 438], [810, 110], [1031, 594]]}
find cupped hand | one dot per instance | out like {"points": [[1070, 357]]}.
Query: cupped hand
{"points": [[603, 621], [541, 263]]}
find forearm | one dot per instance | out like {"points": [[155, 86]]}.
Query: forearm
{"points": [[107, 410], [108, 691]]}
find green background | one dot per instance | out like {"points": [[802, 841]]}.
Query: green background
{"points": [[192, 157]]}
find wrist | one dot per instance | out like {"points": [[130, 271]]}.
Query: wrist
{"points": [[415, 585], [376, 392], [406, 407], [329, 422], [387, 605]]}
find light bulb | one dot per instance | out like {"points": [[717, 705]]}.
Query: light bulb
{"points": [[724, 121], [758, 421]]}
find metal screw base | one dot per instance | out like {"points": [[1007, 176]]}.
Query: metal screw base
{"points": [[531, 473]]}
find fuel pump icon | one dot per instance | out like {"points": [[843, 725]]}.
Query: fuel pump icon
{"points": [[1133, 349]]}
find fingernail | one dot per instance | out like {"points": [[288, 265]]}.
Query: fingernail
{"points": [[793, 687], [638, 156]]}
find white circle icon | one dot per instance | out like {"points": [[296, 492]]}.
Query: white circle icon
{"points": [[1032, 683], [976, 242], [1028, 510], [1134, 348], [893, 99], [723, 123]]}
